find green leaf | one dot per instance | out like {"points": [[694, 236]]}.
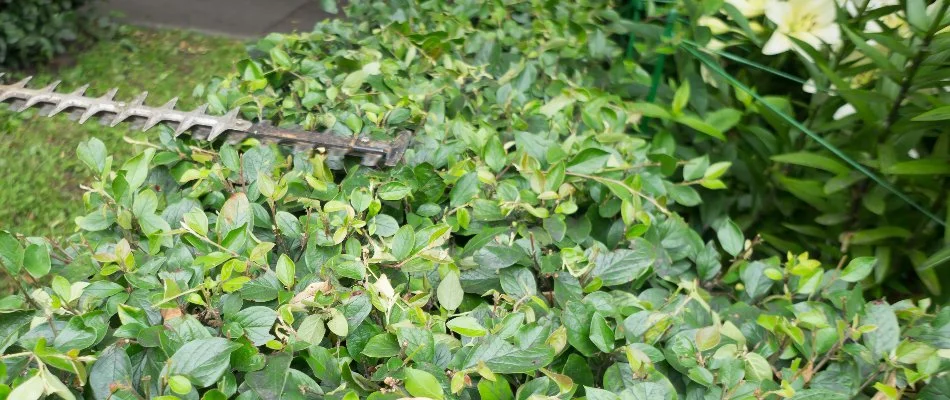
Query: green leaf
{"points": [[757, 284], [11, 253], [936, 114], [392, 191], [329, 6], [601, 334], [937, 259], [588, 161], [731, 238], [883, 340], [695, 168], [858, 269], [869, 236], [555, 105], [701, 376], [757, 368], [256, 322], [383, 225], [383, 345], [466, 326], [450, 291], [403, 242], [286, 270], [464, 190], [680, 98], [311, 330], [812, 160], [700, 126], [202, 361], [179, 384], [197, 221], [495, 155], [30, 389], [624, 265], [683, 194], [112, 367], [280, 58], [599, 394], [422, 384], [504, 358], [499, 389], [919, 167], [279, 381], [338, 324], [36, 260], [93, 153], [136, 169], [917, 14], [352, 82], [263, 288]]}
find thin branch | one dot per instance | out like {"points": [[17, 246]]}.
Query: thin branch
{"points": [[625, 186]]}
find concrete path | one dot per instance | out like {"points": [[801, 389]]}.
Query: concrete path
{"points": [[238, 18]]}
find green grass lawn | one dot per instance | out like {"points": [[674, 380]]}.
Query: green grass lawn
{"points": [[40, 190]]}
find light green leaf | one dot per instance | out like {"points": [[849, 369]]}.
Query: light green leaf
{"points": [[422, 384], [450, 291], [93, 153], [466, 326], [757, 368], [812, 160], [30, 389], [311, 330], [919, 167], [403, 242], [383, 345], [555, 105], [601, 334], [858, 269], [286, 270], [36, 260], [936, 114]]}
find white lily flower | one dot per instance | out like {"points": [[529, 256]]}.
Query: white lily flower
{"points": [[854, 6], [811, 21], [844, 111], [749, 8]]}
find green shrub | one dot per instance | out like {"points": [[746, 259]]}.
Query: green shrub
{"points": [[35, 31], [528, 248], [877, 93]]}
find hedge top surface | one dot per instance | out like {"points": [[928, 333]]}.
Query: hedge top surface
{"points": [[528, 248]]}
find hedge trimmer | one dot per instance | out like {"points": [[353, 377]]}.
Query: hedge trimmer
{"points": [[201, 125]]}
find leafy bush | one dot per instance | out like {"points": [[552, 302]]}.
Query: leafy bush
{"points": [[869, 81], [528, 247], [34, 31]]}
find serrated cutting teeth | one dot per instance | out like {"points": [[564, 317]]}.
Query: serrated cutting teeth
{"points": [[202, 125]]}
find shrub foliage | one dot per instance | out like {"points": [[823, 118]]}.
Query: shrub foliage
{"points": [[873, 86], [34, 31], [527, 248]]}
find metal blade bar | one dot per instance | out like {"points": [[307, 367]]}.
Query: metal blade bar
{"points": [[201, 125]]}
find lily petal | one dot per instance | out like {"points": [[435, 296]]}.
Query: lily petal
{"points": [[777, 44], [844, 111], [778, 12]]}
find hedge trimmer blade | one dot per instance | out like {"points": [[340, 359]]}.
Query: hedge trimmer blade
{"points": [[201, 125]]}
